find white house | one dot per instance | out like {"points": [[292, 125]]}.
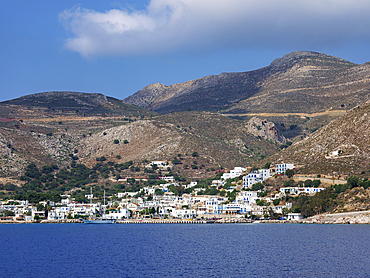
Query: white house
{"points": [[247, 197], [255, 177], [299, 190], [281, 168], [184, 213], [120, 214], [236, 172], [294, 216]]}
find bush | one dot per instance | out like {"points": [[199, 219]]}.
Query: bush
{"points": [[116, 141], [257, 186]]}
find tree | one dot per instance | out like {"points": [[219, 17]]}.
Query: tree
{"points": [[257, 186], [116, 141], [307, 183], [289, 173], [316, 183], [353, 181], [267, 165], [276, 202], [40, 207], [10, 187]]}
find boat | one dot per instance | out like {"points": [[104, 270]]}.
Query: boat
{"points": [[98, 220]]}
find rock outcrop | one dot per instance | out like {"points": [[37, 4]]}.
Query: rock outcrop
{"points": [[265, 129]]}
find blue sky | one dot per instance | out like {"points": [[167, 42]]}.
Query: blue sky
{"points": [[118, 47]]}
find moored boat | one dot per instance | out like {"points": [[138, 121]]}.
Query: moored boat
{"points": [[99, 221]]}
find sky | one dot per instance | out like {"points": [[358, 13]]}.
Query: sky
{"points": [[119, 47]]}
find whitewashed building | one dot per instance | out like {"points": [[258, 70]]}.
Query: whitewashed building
{"points": [[255, 177], [281, 168], [236, 172]]}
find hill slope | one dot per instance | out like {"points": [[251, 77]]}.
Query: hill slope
{"points": [[218, 139], [341, 147]]}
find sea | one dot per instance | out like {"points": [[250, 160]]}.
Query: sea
{"points": [[184, 250]]}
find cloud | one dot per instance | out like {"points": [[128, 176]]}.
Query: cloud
{"points": [[178, 25]]}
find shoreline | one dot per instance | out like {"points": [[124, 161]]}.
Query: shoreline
{"points": [[318, 220]]}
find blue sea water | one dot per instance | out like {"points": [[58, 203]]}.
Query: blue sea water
{"points": [[184, 250]]}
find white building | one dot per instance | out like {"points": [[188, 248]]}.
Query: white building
{"points": [[294, 216], [255, 177], [184, 213], [247, 197], [281, 168], [236, 172], [299, 190]]}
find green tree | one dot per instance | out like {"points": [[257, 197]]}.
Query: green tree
{"points": [[158, 191], [257, 186], [353, 181], [307, 183], [267, 165], [289, 173]]}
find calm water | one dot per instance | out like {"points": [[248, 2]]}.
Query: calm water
{"points": [[160, 250]]}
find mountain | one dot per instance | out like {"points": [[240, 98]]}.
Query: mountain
{"points": [[301, 81], [70, 103], [341, 148], [303, 89]]}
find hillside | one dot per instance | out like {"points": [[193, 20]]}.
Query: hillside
{"points": [[303, 89], [218, 140], [45, 128], [58, 127], [341, 148]]}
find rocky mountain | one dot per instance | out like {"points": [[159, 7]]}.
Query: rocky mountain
{"points": [[302, 81], [340, 148], [303, 89]]}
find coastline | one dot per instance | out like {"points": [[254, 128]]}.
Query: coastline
{"points": [[356, 217]]}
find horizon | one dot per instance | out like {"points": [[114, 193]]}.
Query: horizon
{"points": [[119, 48]]}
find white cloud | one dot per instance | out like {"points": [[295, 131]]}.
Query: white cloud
{"points": [[170, 25]]}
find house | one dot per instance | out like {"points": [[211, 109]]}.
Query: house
{"points": [[281, 168], [184, 213], [247, 197], [294, 216], [255, 177], [236, 172], [299, 190]]}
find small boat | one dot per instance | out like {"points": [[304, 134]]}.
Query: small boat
{"points": [[99, 221]]}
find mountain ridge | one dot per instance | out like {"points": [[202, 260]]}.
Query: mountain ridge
{"points": [[220, 92]]}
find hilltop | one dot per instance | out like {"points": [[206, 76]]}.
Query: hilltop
{"points": [[68, 104]]}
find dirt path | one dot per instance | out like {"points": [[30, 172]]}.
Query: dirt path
{"points": [[333, 113]]}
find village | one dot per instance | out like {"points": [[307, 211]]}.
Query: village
{"points": [[249, 201]]}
